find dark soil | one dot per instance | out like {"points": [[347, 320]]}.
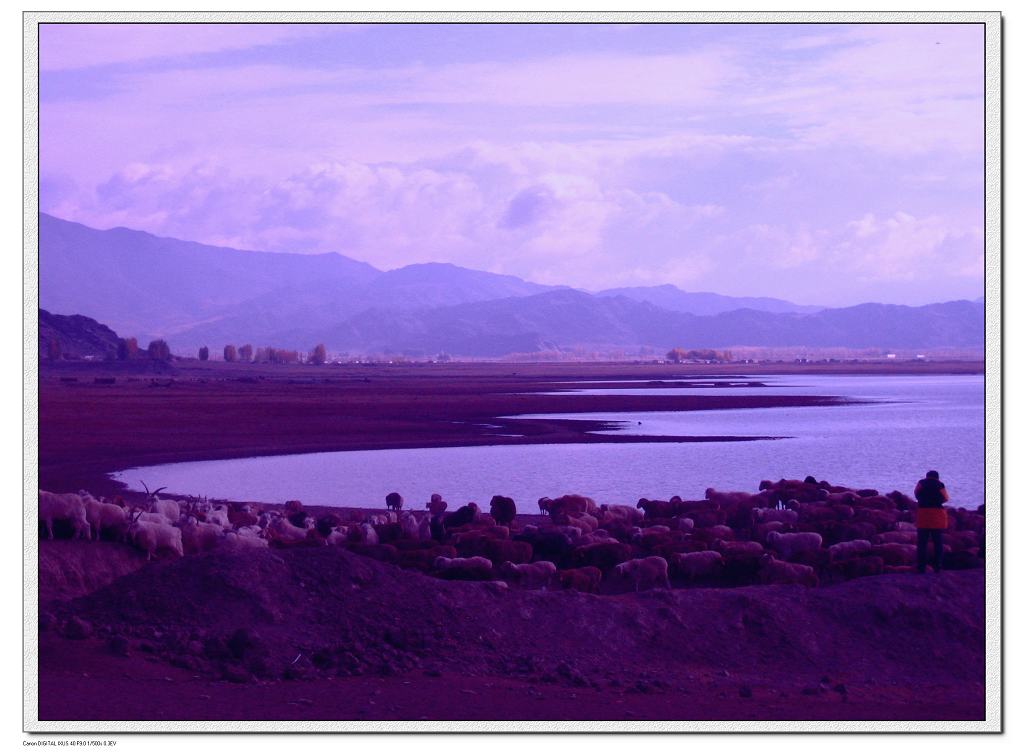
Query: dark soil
{"points": [[356, 638]]}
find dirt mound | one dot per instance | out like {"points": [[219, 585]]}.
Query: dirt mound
{"points": [[71, 568], [328, 612]]}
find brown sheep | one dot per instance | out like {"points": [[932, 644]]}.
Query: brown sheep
{"points": [[859, 566], [503, 509], [896, 554], [461, 516], [570, 504], [507, 550], [775, 572], [535, 576], [700, 566], [655, 509], [584, 579], [604, 556]]}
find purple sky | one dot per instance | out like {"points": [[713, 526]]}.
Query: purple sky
{"points": [[828, 164]]}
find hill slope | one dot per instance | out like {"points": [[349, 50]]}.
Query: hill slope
{"points": [[75, 336]]}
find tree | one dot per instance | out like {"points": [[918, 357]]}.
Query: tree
{"points": [[204, 354], [319, 355], [676, 355], [127, 348], [702, 355], [230, 353], [159, 349], [245, 353]]}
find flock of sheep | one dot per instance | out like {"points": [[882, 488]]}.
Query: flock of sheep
{"points": [[791, 532]]}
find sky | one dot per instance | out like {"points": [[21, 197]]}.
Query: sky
{"points": [[821, 163]]}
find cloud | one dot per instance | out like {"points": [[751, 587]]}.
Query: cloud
{"points": [[749, 161], [527, 207], [391, 215], [904, 247], [76, 46], [913, 89]]}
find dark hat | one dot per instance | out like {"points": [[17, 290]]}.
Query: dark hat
{"points": [[933, 475]]}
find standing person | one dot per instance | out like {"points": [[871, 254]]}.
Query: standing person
{"points": [[930, 493], [437, 507]]}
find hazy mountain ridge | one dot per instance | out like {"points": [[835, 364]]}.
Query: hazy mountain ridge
{"points": [[565, 319], [196, 294], [704, 303]]}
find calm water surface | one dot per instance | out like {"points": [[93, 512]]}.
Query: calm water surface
{"points": [[916, 423]]}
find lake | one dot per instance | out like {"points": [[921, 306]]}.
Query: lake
{"points": [[908, 425]]}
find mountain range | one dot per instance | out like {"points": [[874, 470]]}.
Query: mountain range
{"points": [[194, 294]]}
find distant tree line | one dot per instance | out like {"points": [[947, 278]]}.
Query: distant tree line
{"points": [[678, 355], [273, 355], [128, 349]]}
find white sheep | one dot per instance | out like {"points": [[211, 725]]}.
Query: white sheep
{"points": [[240, 540], [475, 562], [683, 523], [424, 532], [283, 532], [786, 516], [248, 530], [199, 537], [625, 514], [166, 506], [907, 537], [68, 507], [367, 534], [152, 516], [152, 537], [410, 525], [849, 549], [104, 516], [219, 516], [338, 536]]}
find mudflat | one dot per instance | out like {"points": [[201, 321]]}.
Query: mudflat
{"points": [[97, 418]]}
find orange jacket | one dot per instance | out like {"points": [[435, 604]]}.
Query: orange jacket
{"points": [[932, 519]]}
